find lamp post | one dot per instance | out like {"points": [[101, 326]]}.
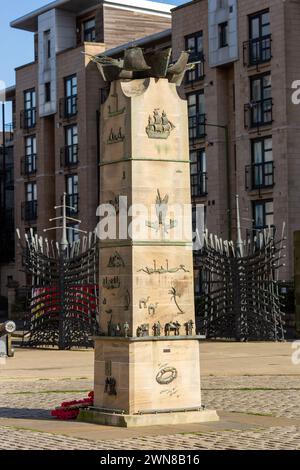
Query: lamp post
{"points": [[229, 205]]}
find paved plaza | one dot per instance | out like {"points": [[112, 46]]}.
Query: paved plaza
{"points": [[255, 388]]}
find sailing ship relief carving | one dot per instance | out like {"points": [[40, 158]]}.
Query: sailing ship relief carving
{"points": [[159, 126]]}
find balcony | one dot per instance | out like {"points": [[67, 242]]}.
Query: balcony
{"points": [[28, 119], [259, 176], [29, 165], [257, 51], [72, 201], [29, 211], [258, 113], [69, 156], [197, 127], [198, 73], [199, 185], [68, 107]]}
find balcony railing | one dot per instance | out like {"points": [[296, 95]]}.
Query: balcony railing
{"points": [[198, 73], [257, 51], [29, 165], [28, 119], [29, 211], [259, 176], [258, 113], [199, 184], [68, 107], [72, 201], [197, 127], [69, 155]]}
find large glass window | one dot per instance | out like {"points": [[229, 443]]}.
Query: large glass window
{"points": [[263, 214], [72, 193], [29, 109], [89, 30], [260, 37], [70, 96], [262, 163], [71, 147], [196, 110], [261, 100], [30, 155], [198, 173], [194, 44]]}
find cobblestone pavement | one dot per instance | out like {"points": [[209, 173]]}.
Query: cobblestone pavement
{"points": [[278, 396], [272, 438]]}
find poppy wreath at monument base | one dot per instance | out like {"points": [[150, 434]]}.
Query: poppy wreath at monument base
{"points": [[70, 409]]}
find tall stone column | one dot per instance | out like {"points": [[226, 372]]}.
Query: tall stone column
{"points": [[147, 361]]}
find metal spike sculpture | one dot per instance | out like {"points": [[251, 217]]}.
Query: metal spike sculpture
{"points": [[62, 307], [240, 298]]}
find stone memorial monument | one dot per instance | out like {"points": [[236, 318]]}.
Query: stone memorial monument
{"points": [[147, 359]]}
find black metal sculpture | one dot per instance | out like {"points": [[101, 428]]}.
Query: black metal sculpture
{"points": [[62, 306], [240, 298]]}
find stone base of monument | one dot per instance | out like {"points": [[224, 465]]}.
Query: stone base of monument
{"points": [[96, 416], [147, 381]]}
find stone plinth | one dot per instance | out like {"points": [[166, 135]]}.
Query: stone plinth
{"points": [[147, 359]]}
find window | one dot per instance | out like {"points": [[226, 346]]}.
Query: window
{"points": [[29, 109], [223, 35], [194, 44], [263, 214], [259, 38], [30, 155], [71, 148], [72, 194], [262, 163], [29, 209], [196, 111], [89, 30], [73, 233], [70, 108], [198, 173], [261, 100], [47, 47], [47, 92]]}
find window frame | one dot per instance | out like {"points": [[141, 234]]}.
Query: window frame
{"points": [[199, 177], [89, 32], [223, 34], [263, 170], [195, 132], [198, 73], [263, 106]]}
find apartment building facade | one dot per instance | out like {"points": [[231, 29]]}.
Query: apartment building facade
{"points": [[58, 98], [244, 136], [7, 228]]}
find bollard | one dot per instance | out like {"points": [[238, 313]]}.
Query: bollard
{"points": [[6, 330]]}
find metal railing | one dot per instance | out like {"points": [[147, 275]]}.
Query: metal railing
{"points": [[29, 211], [257, 51], [68, 107], [199, 184], [69, 155], [259, 176], [29, 165]]}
